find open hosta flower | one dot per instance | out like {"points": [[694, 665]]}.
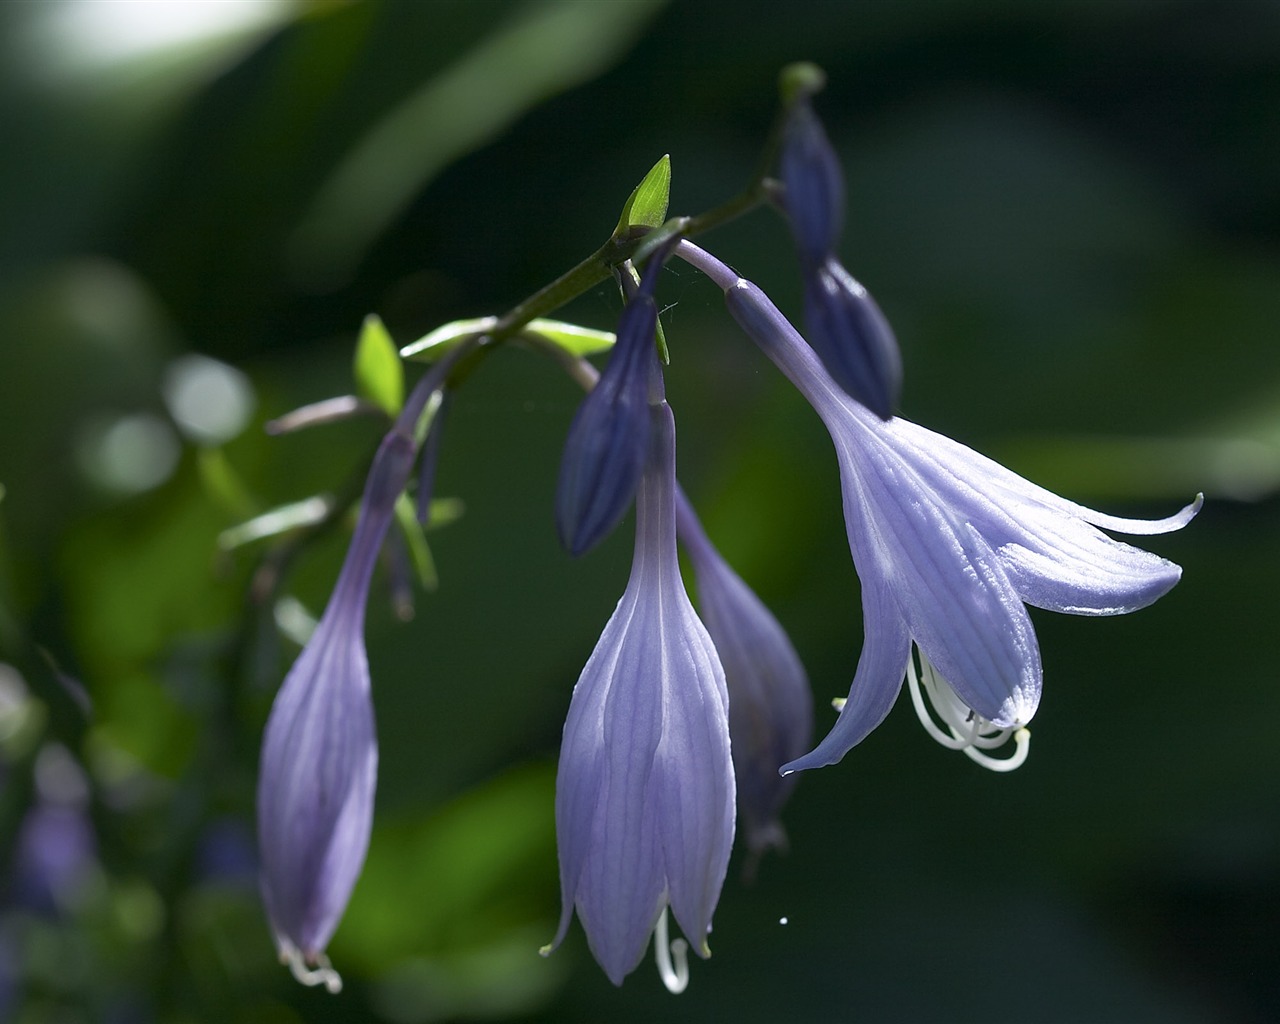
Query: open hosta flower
{"points": [[645, 790], [950, 548], [770, 705]]}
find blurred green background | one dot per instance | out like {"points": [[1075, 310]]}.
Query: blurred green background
{"points": [[1070, 212]]}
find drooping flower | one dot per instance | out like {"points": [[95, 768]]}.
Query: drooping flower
{"points": [[319, 752], [770, 705], [950, 548], [645, 788], [845, 325], [604, 452]]}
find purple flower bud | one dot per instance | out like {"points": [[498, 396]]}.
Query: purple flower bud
{"points": [[645, 791], [605, 451], [770, 704], [320, 754], [813, 183], [852, 337]]}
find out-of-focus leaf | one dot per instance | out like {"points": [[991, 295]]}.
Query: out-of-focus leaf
{"points": [[279, 520], [431, 347], [139, 583], [462, 107], [140, 717], [646, 207], [222, 483], [571, 338], [378, 370]]}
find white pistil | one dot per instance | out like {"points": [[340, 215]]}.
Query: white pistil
{"points": [[674, 976], [322, 973], [968, 730]]}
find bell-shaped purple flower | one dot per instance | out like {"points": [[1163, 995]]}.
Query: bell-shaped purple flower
{"points": [[604, 452], [950, 548], [319, 753], [645, 789], [770, 704]]}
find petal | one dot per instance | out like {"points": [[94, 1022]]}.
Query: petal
{"points": [[770, 704], [1007, 487], [315, 790], [1055, 558], [693, 777], [958, 601], [610, 864], [877, 682]]}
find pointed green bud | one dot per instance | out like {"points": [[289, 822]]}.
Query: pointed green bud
{"points": [[378, 371]]}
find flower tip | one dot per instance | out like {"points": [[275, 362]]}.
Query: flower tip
{"points": [[853, 338], [547, 950], [801, 80], [321, 973]]}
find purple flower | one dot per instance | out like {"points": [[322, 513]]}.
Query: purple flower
{"points": [[813, 183], [319, 754], [950, 548], [645, 790], [605, 451], [846, 327], [852, 337], [770, 705]]}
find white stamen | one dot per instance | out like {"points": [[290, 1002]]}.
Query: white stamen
{"points": [[968, 730], [675, 977], [322, 973]]}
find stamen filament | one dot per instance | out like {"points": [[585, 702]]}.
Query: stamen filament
{"points": [[969, 731], [321, 974], [1022, 747], [674, 976]]}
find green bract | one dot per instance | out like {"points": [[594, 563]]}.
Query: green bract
{"points": [[378, 370], [571, 338], [647, 205]]}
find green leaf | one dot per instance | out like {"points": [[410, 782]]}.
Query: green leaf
{"points": [[444, 884], [431, 347], [571, 338], [223, 484], [647, 205], [279, 520], [379, 372]]}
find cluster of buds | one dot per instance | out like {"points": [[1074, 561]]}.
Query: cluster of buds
{"points": [[681, 723]]}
